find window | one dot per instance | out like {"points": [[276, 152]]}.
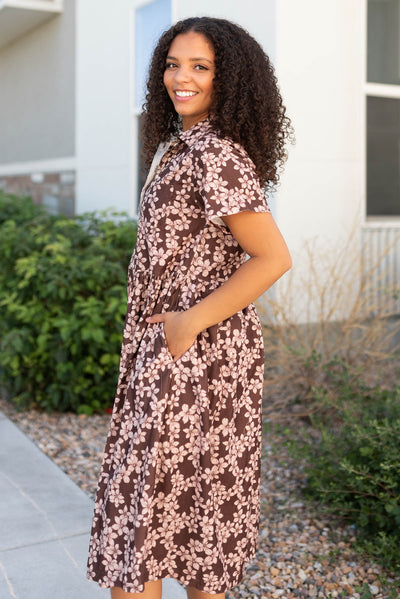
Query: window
{"points": [[383, 41], [383, 156], [150, 21], [383, 108]]}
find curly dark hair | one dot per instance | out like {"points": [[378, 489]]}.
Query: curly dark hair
{"points": [[246, 102]]}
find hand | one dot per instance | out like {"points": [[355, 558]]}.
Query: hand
{"points": [[178, 333]]}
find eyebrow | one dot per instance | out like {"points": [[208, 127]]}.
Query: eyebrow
{"points": [[200, 58]]}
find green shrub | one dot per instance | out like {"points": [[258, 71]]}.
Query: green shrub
{"points": [[352, 465], [62, 305], [20, 210]]}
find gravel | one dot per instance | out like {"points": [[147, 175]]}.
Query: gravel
{"points": [[300, 554]]}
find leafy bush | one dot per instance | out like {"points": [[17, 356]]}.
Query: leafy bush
{"points": [[352, 465], [62, 305]]}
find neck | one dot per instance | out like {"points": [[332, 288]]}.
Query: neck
{"points": [[189, 122]]}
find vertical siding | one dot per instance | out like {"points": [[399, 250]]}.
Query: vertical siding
{"points": [[381, 269]]}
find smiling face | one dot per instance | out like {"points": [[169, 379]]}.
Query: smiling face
{"points": [[188, 76]]}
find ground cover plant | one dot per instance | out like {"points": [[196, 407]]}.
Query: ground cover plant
{"points": [[351, 460]]}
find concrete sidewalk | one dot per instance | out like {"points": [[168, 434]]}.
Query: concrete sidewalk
{"points": [[45, 523]]}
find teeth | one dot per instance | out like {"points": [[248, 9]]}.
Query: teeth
{"points": [[185, 94]]}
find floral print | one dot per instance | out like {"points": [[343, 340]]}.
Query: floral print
{"points": [[178, 492]]}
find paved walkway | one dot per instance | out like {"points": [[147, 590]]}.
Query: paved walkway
{"points": [[45, 522]]}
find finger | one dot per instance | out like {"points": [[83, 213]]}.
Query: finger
{"points": [[156, 318]]}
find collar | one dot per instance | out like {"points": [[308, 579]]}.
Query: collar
{"points": [[200, 129]]}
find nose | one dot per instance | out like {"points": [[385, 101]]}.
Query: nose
{"points": [[182, 74]]}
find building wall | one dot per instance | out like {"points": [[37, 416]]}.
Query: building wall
{"points": [[55, 189], [37, 99], [257, 16], [320, 70], [104, 95], [320, 66]]}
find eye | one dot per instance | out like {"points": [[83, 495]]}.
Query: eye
{"points": [[170, 65], [200, 67]]}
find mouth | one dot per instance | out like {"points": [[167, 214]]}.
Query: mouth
{"points": [[182, 94]]}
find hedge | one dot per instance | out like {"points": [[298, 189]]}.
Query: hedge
{"points": [[62, 305]]}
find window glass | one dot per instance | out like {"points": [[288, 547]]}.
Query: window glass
{"points": [[383, 156], [150, 21], [383, 61]]}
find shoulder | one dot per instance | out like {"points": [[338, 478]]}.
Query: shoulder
{"points": [[211, 144], [213, 151]]}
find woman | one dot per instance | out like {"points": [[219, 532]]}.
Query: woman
{"points": [[178, 491]]}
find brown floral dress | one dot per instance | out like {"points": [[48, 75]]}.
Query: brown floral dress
{"points": [[178, 492]]}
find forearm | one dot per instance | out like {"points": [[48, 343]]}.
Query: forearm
{"points": [[251, 280]]}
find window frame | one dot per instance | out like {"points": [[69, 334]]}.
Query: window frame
{"points": [[380, 90], [135, 110]]}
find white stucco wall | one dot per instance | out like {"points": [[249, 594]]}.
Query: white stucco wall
{"points": [[103, 128], [320, 70], [257, 16], [320, 66]]}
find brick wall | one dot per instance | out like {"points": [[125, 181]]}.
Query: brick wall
{"points": [[55, 190]]}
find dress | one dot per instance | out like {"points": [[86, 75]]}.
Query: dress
{"points": [[178, 492]]}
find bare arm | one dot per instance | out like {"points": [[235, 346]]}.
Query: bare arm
{"points": [[260, 238]]}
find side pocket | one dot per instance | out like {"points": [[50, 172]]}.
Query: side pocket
{"points": [[164, 339], [184, 357]]}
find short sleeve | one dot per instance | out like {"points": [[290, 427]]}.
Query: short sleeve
{"points": [[228, 181]]}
